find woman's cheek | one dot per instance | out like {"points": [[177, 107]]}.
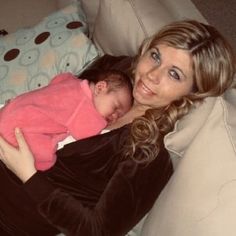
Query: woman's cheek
{"points": [[137, 95]]}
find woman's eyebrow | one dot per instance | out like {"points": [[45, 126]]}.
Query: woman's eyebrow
{"points": [[157, 49]]}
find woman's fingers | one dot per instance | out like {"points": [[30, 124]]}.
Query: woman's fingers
{"points": [[20, 139], [19, 160], [22, 144], [4, 146], [1, 153]]}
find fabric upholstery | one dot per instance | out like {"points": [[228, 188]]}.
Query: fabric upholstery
{"points": [[200, 198], [31, 57]]}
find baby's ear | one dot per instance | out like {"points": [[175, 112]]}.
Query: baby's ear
{"points": [[101, 87]]}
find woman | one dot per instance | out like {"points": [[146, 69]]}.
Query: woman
{"points": [[104, 185]]}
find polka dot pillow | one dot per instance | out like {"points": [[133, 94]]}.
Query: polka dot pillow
{"points": [[30, 58]]}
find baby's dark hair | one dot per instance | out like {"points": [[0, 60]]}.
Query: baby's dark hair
{"points": [[115, 79]]}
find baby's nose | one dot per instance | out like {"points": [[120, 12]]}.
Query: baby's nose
{"points": [[115, 116]]}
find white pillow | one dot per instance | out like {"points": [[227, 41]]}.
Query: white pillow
{"points": [[200, 198], [122, 25], [31, 57], [118, 27], [187, 128], [91, 10]]}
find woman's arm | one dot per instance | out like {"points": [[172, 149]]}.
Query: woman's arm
{"points": [[127, 197], [113, 215]]}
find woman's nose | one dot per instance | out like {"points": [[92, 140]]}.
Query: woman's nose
{"points": [[154, 74]]}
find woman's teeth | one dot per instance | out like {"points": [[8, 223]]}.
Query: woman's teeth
{"points": [[146, 89]]}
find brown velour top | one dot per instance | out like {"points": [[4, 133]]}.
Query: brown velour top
{"points": [[91, 191]]}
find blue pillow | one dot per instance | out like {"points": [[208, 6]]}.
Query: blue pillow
{"points": [[31, 57]]}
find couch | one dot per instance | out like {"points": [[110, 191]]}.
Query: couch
{"points": [[200, 198]]}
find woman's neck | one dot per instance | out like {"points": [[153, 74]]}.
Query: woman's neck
{"points": [[136, 111]]}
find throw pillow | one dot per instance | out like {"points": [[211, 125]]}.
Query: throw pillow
{"points": [[30, 58]]}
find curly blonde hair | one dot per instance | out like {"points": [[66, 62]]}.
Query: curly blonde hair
{"points": [[213, 72]]}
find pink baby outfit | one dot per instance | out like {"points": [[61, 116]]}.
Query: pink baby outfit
{"points": [[50, 114]]}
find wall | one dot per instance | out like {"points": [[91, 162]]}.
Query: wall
{"points": [[24, 13], [222, 15]]}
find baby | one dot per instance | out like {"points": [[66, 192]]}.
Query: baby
{"points": [[68, 106]]}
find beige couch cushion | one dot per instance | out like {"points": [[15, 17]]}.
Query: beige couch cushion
{"points": [[122, 25], [90, 8], [119, 26], [200, 199]]}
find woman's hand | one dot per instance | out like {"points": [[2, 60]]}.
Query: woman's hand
{"points": [[19, 160]]}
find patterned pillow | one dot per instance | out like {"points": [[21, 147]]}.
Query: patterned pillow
{"points": [[30, 58]]}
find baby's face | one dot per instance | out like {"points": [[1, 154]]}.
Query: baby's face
{"points": [[114, 104]]}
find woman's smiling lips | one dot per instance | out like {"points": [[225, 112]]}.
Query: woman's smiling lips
{"points": [[144, 89]]}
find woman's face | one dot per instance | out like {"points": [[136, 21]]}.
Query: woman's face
{"points": [[163, 74]]}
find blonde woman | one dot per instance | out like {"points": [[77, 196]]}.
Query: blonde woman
{"points": [[104, 185]]}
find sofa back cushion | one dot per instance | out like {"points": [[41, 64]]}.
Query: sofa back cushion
{"points": [[200, 198], [118, 27], [121, 26], [91, 9]]}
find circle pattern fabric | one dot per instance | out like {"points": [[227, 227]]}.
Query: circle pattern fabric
{"points": [[31, 57]]}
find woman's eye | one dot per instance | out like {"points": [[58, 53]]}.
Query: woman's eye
{"points": [[156, 56], [174, 74]]}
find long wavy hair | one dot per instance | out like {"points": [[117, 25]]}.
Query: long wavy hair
{"points": [[213, 72]]}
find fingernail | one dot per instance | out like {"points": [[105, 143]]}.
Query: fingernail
{"points": [[17, 130]]}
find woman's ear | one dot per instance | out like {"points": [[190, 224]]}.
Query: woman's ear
{"points": [[101, 87]]}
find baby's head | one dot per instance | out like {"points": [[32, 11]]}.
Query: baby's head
{"points": [[112, 94]]}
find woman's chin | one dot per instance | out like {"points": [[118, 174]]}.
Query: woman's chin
{"points": [[141, 97], [141, 100]]}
